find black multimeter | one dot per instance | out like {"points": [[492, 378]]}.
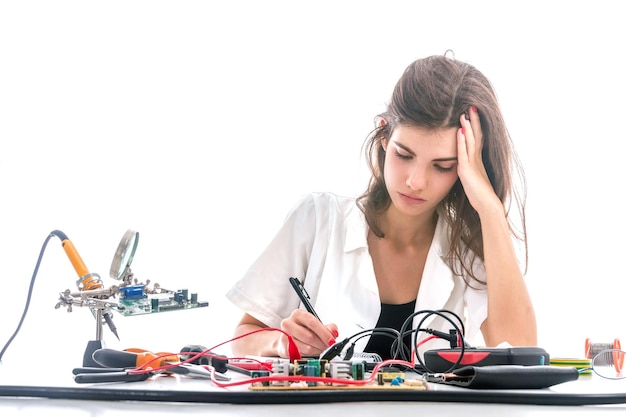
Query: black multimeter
{"points": [[442, 360]]}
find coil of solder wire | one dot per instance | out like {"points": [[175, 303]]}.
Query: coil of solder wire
{"points": [[593, 349], [605, 354]]}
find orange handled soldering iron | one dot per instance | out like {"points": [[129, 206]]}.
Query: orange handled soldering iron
{"points": [[86, 280]]}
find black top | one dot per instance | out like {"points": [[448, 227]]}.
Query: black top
{"points": [[393, 316]]}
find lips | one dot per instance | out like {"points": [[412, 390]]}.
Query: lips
{"points": [[411, 199]]}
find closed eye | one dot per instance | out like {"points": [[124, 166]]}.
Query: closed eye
{"points": [[403, 156], [442, 168]]}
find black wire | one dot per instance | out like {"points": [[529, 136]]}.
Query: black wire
{"points": [[30, 293], [460, 333], [300, 397], [460, 329], [398, 347], [385, 331]]}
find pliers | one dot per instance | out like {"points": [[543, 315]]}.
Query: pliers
{"points": [[125, 366], [87, 375]]}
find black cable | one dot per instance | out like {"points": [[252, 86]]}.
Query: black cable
{"points": [[445, 314], [460, 333], [398, 348], [336, 349], [385, 331], [111, 393], [30, 293]]}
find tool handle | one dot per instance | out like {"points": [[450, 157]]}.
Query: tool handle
{"points": [[110, 377], [112, 358], [94, 370]]}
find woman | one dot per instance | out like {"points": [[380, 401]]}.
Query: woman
{"points": [[432, 231]]}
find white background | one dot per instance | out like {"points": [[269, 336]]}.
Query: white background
{"points": [[199, 124]]}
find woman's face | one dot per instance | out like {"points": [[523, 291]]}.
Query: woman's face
{"points": [[420, 167]]}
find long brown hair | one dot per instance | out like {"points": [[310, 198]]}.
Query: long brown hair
{"points": [[433, 92]]}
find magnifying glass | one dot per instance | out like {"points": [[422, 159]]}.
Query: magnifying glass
{"points": [[120, 267], [608, 363]]}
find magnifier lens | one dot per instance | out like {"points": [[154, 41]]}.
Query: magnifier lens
{"points": [[124, 254], [609, 363]]}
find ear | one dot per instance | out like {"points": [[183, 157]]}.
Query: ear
{"points": [[380, 123]]}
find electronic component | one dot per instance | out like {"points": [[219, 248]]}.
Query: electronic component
{"points": [[340, 370], [310, 367], [260, 374], [389, 375], [281, 368], [134, 300]]}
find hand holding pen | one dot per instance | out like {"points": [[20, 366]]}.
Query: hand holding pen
{"points": [[307, 329], [303, 295]]}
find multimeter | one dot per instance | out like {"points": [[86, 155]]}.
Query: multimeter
{"points": [[444, 360]]}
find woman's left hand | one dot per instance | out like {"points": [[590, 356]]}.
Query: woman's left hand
{"points": [[471, 168]]}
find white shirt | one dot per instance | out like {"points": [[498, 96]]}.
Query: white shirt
{"points": [[323, 242]]}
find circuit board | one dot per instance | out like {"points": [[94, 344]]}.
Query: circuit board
{"points": [[316, 374], [133, 301], [413, 385]]}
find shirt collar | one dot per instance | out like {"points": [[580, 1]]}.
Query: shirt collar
{"points": [[437, 279], [356, 230]]}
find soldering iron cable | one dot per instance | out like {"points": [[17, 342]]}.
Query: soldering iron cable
{"points": [[28, 297]]}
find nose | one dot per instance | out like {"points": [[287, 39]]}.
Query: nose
{"points": [[417, 178]]}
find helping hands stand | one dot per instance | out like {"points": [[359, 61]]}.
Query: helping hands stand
{"points": [[93, 345], [136, 297], [98, 308]]}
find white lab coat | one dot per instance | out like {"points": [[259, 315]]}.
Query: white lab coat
{"points": [[323, 242]]}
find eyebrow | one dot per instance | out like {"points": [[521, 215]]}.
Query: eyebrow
{"points": [[445, 159]]}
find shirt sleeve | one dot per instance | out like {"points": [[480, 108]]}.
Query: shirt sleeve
{"points": [[264, 291]]}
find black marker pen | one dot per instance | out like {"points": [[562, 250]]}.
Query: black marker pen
{"points": [[303, 295]]}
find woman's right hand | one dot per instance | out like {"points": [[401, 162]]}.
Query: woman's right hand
{"points": [[310, 335]]}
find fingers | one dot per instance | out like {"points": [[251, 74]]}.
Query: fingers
{"points": [[311, 335], [333, 329], [475, 122], [472, 132], [471, 169]]}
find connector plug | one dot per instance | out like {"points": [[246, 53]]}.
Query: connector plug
{"points": [[334, 350]]}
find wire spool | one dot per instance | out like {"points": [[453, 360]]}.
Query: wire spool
{"points": [[592, 349], [599, 353]]}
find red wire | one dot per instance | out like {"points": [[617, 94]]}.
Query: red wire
{"points": [[426, 339], [294, 353], [296, 378], [276, 378]]}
